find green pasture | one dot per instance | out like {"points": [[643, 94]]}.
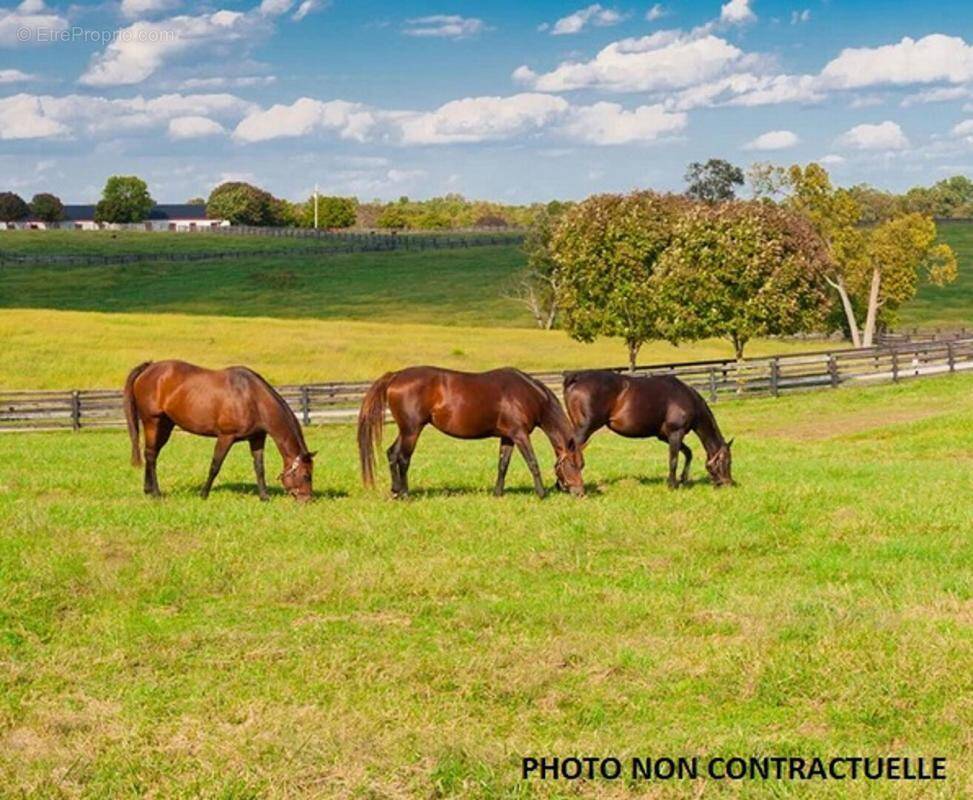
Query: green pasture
{"points": [[948, 307], [365, 648]]}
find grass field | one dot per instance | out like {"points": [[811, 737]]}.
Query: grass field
{"points": [[950, 306], [363, 648], [63, 349]]}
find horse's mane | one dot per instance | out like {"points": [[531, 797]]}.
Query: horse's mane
{"points": [[554, 411], [287, 411]]}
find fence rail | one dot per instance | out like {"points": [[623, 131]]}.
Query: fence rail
{"points": [[331, 244], [338, 401]]}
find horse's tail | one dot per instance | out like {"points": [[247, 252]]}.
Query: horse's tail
{"points": [[131, 412], [371, 417]]}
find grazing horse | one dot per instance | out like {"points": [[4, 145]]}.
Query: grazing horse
{"points": [[504, 403], [660, 406], [232, 404]]}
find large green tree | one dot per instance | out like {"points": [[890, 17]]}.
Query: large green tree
{"points": [[738, 271], [333, 212], [244, 204], [12, 207], [47, 207], [606, 250], [125, 198], [714, 181]]}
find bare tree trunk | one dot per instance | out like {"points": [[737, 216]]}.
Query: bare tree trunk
{"points": [[872, 314], [633, 354], [738, 345], [839, 287]]}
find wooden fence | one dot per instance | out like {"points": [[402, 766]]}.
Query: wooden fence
{"points": [[331, 243], [338, 402]]}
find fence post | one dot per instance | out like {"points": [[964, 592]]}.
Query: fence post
{"points": [[712, 384], [76, 410], [774, 377], [950, 357], [895, 365], [833, 370], [306, 405]]}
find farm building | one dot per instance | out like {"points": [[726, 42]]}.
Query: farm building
{"points": [[165, 217]]}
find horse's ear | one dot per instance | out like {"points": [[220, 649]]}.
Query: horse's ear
{"points": [[306, 457], [730, 443]]}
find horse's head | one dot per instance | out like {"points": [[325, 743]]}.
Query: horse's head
{"points": [[718, 465], [568, 468], [296, 477]]}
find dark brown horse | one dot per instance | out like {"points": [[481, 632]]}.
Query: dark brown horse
{"points": [[661, 406], [233, 404], [504, 403]]}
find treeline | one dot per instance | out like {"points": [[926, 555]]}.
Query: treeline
{"points": [[802, 256]]}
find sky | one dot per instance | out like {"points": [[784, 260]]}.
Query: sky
{"points": [[509, 101]]}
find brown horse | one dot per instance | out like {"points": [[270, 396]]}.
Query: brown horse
{"points": [[504, 403], [661, 406], [233, 404]]}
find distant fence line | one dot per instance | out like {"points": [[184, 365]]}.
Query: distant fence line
{"points": [[335, 243], [338, 401]]}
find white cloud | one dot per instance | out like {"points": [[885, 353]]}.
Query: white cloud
{"points": [[30, 15], [594, 14], [943, 94], [610, 124], [14, 76], [223, 82], [832, 160], [797, 17], [963, 130], [477, 119], [136, 9], [747, 89], [657, 12], [737, 12], [932, 58], [193, 127], [22, 116], [144, 47], [306, 7], [445, 26], [883, 136], [304, 116], [42, 116], [662, 61], [773, 140]]}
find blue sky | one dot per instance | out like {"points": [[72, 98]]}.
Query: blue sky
{"points": [[501, 100]]}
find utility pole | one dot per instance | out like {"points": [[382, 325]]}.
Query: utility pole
{"points": [[315, 206]]}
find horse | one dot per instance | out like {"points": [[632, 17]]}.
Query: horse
{"points": [[233, 404], [640, 407], [504, 403]]}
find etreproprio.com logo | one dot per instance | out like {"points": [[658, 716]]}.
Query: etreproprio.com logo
{"points": [[95, 36]]}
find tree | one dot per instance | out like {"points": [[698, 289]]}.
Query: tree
{"points": [[12, 207], [244, 204], [605, 250], [196, 201], [536, 284], [333, 212], [125, 198], [47, 207], [738, 271], [713, 181], [835, 215], [766, 181], [394, 217], [899, 253]]}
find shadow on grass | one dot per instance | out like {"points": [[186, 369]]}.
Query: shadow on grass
{"points": [[274, 491]]}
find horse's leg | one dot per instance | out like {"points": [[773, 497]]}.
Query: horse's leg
{"points": [[393, 456], [688, 455], [675, 444], [527, 451], [223, 445], [257, 451], [506, 450], [407, 446], [157, 433]]}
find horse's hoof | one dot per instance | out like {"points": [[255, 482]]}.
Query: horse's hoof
{"points": [[265, 498]]}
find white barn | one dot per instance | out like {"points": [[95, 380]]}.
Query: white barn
{"points": [[164, 217]]}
